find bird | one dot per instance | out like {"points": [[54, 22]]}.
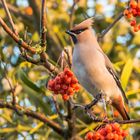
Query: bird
{"points": [[93, 68]]}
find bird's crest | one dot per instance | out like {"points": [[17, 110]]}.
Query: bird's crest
{"points": [[84, 25]]}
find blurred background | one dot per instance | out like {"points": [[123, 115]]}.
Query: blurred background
{"points": [[121, 45]]}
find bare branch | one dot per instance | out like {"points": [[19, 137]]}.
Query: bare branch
{"points": [[43, 24], [36, 10], [110, 26], [10, 84], [39, 116], [72, 11], [16, 38], [17, 12], [9, 16]]}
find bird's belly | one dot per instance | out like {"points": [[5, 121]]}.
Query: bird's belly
{"points": [[83, 78]]}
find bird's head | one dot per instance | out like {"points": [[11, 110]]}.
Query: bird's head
{"points": [[79, 29]]}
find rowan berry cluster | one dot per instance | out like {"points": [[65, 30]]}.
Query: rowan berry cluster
{"points": [[109, 132], [65, 83], [132, 13]]}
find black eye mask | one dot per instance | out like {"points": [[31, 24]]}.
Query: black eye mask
{"points": [[78, 31]]}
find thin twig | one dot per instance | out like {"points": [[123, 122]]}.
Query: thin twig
{"points": [[57, 108], [23, 44], [43, 24], [11, 87], [36, 115], [9, 16], [110, 26], [69, 56], [11, 20], [16, 38], [72, 11], [18, 13]]}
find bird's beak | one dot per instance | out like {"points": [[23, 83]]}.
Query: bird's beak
{"points": [[70, 33]]}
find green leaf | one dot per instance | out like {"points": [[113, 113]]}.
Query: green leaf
{"points": [[126, 73], [28, 82]]}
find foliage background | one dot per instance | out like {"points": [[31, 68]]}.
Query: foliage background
{"points": [[121, 44]]}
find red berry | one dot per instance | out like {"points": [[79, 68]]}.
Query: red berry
{"points": [[115, 126], [70, 91], [58, 80], [109, 136], [134, 12], [133, 4], [72, 85], [64, 87], [108, 128], [57, 87], [68, 72], [68, 81], [65, 97], [74, 80], [51, 84], [133, 23], [62, 91], [97, 136], [126, 12], [124, 133], [116, 136], [138, 13], [102, 132], [136, 29], [65, 78], [120, 138], [77, 87], [129, 15], [89, 136]]}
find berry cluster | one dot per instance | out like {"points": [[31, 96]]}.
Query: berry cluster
{"points": [[133, 12], [109, 132], [65, 83]]}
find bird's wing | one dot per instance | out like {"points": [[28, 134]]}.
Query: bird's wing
{"points": [[110, 68]]}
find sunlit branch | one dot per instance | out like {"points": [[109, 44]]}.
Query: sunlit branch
{"points": [[39, 116]]}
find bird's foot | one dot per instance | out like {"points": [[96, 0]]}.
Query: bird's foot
{"points": [[105, 118], [94, 102]]}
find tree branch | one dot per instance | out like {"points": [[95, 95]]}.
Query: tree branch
{"points": [[23, 44], [39, 116], [110, 26], [16, 38], [36, 10], [17, 12], [9, 16], [43, 24]]}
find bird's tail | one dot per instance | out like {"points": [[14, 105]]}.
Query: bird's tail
{"points": [[121, 109]]}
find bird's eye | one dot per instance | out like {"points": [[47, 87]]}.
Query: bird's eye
{"points": [[79, 31]]}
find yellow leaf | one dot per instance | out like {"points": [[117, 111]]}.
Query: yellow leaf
{"points": [[36, 128], [126, 73]]}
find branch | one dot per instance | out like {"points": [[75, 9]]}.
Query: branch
{"points": [[72, 14], [93, 117], [39, 116], [10, 84], [17, 12], [9, 16], [110, 26], [16, 38], [36, 10], [23, 44], [43, 24]]}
